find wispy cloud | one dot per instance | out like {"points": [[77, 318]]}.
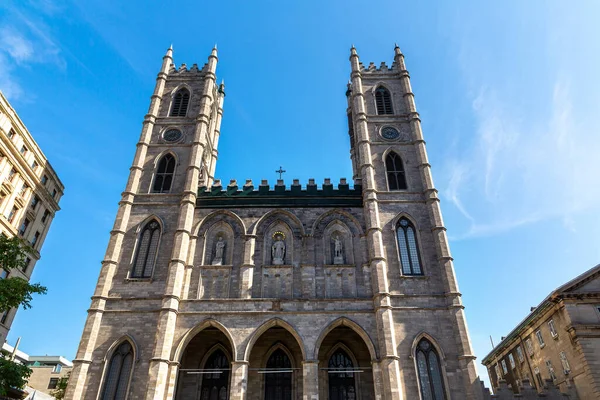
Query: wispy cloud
{"points": [[522, 170]]}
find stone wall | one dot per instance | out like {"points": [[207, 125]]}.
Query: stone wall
{"points": [[527, 392]]}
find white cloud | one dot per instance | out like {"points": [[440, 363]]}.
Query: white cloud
{"points": [[19, 48]]}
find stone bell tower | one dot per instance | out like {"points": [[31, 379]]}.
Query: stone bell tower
{"points": [[389, 157]]}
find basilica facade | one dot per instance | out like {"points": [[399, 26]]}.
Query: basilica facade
{"points": [[215, 291]]}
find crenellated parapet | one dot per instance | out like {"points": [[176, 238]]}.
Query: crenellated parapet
{"points": [[183, 69], [280, 195]]}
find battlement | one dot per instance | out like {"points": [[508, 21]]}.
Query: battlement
{"points": [[184, 69], [383, 68], [279, 195]]}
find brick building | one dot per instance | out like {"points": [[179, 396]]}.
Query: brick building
{"points": [[304, 291], [29, 194], [558, 341]]}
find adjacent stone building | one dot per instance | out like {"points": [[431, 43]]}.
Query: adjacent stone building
{"points": [[558, 341], [29, 194], [304, 291]]}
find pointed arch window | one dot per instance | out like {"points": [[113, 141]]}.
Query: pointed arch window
{"points": [[409, 250], [430, 372], [180, 103], [164, 174], [118, 373], [215, 386], [147, 248], [342, 385], [383, 100], [395, 172], [278, 385]]}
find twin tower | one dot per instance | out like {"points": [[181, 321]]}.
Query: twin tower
{"points": [[330, 291]]}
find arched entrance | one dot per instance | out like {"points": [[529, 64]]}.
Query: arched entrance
{"points": [[205, 368], [275, 366], [345, 371]]}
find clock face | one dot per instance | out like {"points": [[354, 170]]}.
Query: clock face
{"points": [[172, 135], [390, 133]]}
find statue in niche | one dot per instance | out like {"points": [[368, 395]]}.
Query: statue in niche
{"points": [[278, 249], [219, 249], [338, 251]]}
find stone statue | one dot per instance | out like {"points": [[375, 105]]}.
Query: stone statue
{"points": [[278, 251], [219, 248], [338, 252]]}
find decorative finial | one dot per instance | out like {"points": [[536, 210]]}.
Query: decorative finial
{"points": [[353, 51], [169, 51], [397, 49], [222, 87]]}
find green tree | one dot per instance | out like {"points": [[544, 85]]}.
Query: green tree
{"points": [[14, 292], [61, 387], [12, 374]]}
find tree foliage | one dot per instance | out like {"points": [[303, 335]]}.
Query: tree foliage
{"points": [[61, 387], [12, 374], [15, 292]]}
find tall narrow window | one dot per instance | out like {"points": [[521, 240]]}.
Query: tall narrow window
{"points": [[164, 174], [278, 380], [215, 385], [430, 372], [407, 244], [395, 172], [383, 100], [118, 373], [342, 385], [145, 256], [180, 103]]}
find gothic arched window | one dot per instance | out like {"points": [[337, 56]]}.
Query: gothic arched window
{"points": [[407, 245], [278, 385], [180, 103], [430, 372], [383, 100], [118, 373], [215, 386], [145, 255], [395, 172], [164, 174], [342, 385]]}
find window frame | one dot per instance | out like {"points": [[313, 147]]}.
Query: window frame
{"points": [[53, 383], [173, 102], [390, 153], [440, 363], [136, 250], [551, 370], [511, 361], [381, 88], [529, 346], [540, 338], [163, 174], [108, 359], [553, 331], [520, 355], [504, 367], [411, 224], [565, 363]]}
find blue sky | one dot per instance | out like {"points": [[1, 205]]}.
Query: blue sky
{"points": [[507, 91]]}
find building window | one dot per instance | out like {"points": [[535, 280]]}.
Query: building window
{"points": [[407, 244], [552, 329], [44, 179], [45, 216], [145, 257], [538, 376], [12, 134], [164, 174], [511, 360], [216, 385], [118, 373], [54, 193], [57, 368], [550, 370], [23, 190], [430, 372], [278, 385], [12, 214], [4, 317], [26, 264], [34, 165], [383, 100], [35, 238], [395, 172], [529, 346], [180, 103], [504, 369], [342, 385], [520, 354], [34, 201], [11, 174], [23, 150], [538, 335], [24, 226], [565, 363], [497, 369]]}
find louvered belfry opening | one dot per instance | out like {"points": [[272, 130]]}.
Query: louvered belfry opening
{"points": [[164, 174], [180, 103], [383, 99]]}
